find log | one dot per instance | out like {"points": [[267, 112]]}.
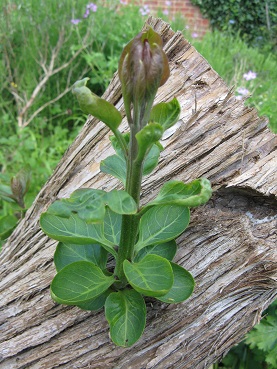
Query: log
{"points": [[229, 247]]}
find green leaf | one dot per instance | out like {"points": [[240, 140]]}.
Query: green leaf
{"points": [[88, 203], [116, 145], [146, 137], [126, 314], [7, 225], [264, 337], [96, 303], [79, 282], [67, 253], [167, 250], [190, 194], [116, 166], [6, 193], [112, 227], [120, 202], [182, 288], [152, 276], [94, 105], [166, 114], [162, 223], [151, 159], [75, 230]]}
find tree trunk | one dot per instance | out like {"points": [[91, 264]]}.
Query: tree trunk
{"points": [[229, 247]]}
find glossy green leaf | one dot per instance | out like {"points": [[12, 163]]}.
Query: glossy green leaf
{"points": [[88, 203], [162, 223], [120, 202], [147, 137], [116, 166], [166, 114], [182, 288], [78, 283], [167, 250], [151, 276], [94, 105], [126, 314], [74, 230], [67, 253], [151, 160], [191, 194], [96, 303], [112, 226]]}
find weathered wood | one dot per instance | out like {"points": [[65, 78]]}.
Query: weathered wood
{"points": [[230, 246]]}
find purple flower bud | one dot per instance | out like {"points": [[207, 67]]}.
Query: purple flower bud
{"points": [[143, 67]]}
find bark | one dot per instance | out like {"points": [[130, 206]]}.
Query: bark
{"points": [[229, 247]]}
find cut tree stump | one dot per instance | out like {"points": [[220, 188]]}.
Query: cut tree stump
{"points": [[229, 247]]}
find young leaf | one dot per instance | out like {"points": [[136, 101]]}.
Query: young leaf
{"points": [[126, 314], [167, 250], [94, 105], [112, 227], [162, 223], [182, 288], [120, 202], [88, 203], [147, 137], [151, 159], [166, 114], [75, 230], [96, 303], [78, 283], [190, 194], [116, 166], [67, 253], [152, 276]]}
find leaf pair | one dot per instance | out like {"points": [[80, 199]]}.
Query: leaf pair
{"points": [[90, 204], [116, 164], [80, 269]]}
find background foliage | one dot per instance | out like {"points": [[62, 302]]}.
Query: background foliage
{"points": [[29, 33], [256, 20]]}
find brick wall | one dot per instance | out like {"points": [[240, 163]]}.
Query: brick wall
{"points": [[194, 20]]}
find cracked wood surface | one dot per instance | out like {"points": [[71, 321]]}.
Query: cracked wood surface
{"points": [[229, 247]]}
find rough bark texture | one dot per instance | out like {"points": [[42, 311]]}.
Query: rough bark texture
{"points": [[230, 246]]}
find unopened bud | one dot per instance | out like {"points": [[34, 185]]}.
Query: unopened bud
{"points": [[143, 67]]}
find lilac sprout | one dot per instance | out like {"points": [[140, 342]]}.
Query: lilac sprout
{"points": [[242, 92], [90, 7]]}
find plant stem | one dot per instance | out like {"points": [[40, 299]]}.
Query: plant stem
{"points": [[129, 227]]}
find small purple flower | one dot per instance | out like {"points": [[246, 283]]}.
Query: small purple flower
{"points": [[194, 35], [165, 12], [92, 7], [250, 75], [75, 21], [232, 21], [168, 3], [122, 2], [243, 91], [144, 10], [86, 14]]}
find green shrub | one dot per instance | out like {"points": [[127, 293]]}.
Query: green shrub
{"points": [[255, 20]]}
